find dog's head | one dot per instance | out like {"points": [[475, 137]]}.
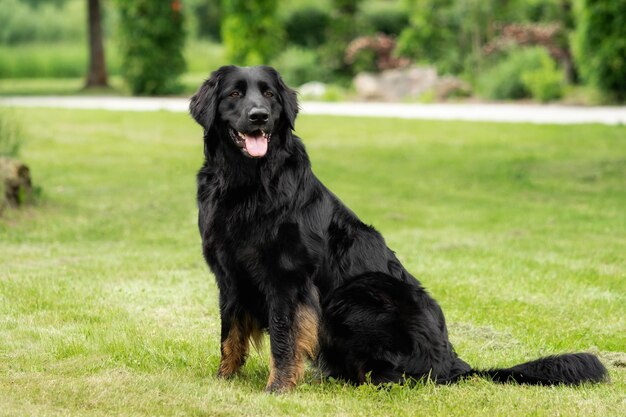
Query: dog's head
{"points": [[249, 105]]}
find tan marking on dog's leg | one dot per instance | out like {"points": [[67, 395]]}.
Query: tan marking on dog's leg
{"points": [[306, 329], [307, 332], [236, 347]]}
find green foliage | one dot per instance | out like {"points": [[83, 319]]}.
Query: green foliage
{"points": [[433, 34], [10, 134], [545, 83], [203, 56], [152, 40], [306, 26], [383, 17], [365, 61], [600, 44], [250, 31], [49, 21], [543, 11], [505, 80], [343, 28], [298, 65], [204, 17], [43, 60], [452, 33]]}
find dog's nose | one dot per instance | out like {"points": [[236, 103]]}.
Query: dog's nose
{"points": [[258, 115]]}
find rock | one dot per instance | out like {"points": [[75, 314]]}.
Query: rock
{"points": [[408, 83], [313, 89], [368, 86], [450, 86], [396, 84], [15, 183]]}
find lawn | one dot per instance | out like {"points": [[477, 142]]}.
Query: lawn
{"points": [[107, 307], [60, 68]]}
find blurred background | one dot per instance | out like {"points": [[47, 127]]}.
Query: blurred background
{"points": [[570, 51]]}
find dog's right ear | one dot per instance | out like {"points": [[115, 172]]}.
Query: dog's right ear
{"points": [[203, 104]]}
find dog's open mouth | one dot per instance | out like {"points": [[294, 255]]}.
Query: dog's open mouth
{"points": [[253, 144]]}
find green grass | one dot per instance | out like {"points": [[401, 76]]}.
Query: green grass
{"points": [[54, 60], [59, 87], [60, 68], [107, 308]]}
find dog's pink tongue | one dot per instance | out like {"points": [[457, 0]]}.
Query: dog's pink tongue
{"points": [[256, 145]]}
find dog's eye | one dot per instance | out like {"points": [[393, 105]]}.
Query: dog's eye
{"points": [[268, 93], [235, 93]]}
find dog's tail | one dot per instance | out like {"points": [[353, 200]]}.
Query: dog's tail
{"points": [[567, 369]]}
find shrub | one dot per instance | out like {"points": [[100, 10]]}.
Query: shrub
{"points": [[384, 17], [545, 83], [306, 26], [250, 31], [365, 61], [298, 66], [505, 80], [600, 44], [342, 29], [21, 22], [433, 34], [204, 17], [152, 41]]}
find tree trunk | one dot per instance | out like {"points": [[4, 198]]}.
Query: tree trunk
{"points": [[97, 75]]}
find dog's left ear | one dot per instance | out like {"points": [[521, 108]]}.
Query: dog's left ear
{"points": [[288, 99], [203, 105]]}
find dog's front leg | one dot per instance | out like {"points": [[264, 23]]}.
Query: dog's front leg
{"points": [[293, 332], [238, 330]]}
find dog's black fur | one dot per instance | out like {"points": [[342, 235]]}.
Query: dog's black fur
{"points": [[291, 259]]}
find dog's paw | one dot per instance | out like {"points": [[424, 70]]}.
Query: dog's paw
{"points": [[224, 374], [277, 387]]}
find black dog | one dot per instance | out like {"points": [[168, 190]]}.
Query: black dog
{"points": [[291, 259]]}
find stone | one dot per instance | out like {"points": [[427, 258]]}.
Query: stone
{"points": [[313, 89], [450, 86], [396, 84], [408, 83], [368, 86]]}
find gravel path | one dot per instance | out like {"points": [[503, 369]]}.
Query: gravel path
{"points": [[532, 113]]}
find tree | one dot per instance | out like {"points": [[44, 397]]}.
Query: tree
{"points": [[97, 72], [600, 44], [152, 41], [250, 31]]}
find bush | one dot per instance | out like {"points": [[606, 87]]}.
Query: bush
{"points": [[433, 34], [522, 73], [298, 66], [204, 17], [306, 26], [600, 44], [343, 28], [365, 60], [452, 33], [384, 17], [152, 41], [545, 83], [250, 31], [47, 22]]}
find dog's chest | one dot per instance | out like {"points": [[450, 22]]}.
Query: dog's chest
{"points": [[235, 223]]}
